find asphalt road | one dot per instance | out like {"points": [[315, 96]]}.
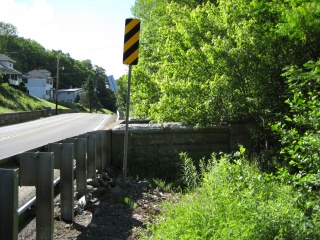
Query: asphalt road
{"points": [[19, 138]]}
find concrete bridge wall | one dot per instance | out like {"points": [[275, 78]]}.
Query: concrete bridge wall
{"points": [[154, 149], [18, 117]]}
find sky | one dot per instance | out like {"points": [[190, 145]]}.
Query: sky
{"points": [[86, 29]]}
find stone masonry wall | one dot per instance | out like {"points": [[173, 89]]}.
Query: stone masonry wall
{"points": [[154, 149], [18, 117]]}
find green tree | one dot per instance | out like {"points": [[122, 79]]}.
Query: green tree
{"points": [[7, 31], [122, 84], [28, 54], [300, 131], [206, 62], [106, 96], [89, 98], [110, 100]]}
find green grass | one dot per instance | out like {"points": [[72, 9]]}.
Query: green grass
{"points": [[13, 100], [6, 110], [234, 200], [50, 104], [81, 108]]}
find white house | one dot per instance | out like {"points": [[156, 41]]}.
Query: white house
{"points": [[69, 95], [6, 68], [39, 83]]}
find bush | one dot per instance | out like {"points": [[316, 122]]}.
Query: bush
{"points": [[300, 134], [236, 201]]}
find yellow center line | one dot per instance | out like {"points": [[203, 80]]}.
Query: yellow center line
{"points": [[38, 129]]}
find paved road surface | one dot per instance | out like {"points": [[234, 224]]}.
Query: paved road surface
{"points": [[18, 138]]}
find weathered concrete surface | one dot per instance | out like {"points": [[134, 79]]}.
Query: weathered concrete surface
{"points": [[154, 148], [18, 117]]}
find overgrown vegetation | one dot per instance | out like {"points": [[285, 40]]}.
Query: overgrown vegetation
{"points": [[234, 200], [254, 61], [205, 61], [300, 136]]}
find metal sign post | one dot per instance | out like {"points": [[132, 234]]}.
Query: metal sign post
{"points": [[125, 153], [130, 57]]}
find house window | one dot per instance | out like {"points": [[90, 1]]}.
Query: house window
{"points": [[47, 92], [25, 80]]}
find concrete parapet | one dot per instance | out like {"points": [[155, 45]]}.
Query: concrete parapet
{"points": [[154, 149], [18, 117]]}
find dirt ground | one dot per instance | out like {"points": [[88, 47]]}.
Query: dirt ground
{"points": [[114, 211]]}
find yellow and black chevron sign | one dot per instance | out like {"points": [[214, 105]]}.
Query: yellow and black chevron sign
{"points": [[131, 41]]}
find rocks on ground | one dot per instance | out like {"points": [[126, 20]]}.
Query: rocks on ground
{"points": [[111, 210]]}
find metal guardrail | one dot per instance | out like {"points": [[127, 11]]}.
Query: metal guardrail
{"points": [[83, 155]]}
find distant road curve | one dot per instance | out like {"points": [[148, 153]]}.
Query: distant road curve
{"points": [[22, 137]]}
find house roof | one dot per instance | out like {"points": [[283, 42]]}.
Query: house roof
{"points": [[6, 58], [5, 70], [37, 74], [45, 72]]}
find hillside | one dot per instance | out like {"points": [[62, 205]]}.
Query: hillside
{"points": [[14, 100]]}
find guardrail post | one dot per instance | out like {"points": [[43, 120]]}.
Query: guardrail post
{"points": [[80, 154], [45, 196], [36, 169], [91, 161], [99, 161], [81, 170], [104, 150], [109, 147], [9, 181], [63, 153]]}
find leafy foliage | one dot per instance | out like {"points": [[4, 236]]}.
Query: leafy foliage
{"points": [[122, 84], [89, 98], [7, 31], [205, 61], [236, 201], [300, 132], [190, 176]]}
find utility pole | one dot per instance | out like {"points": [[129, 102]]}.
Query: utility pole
{"points": [[57, 84], [95, 94]]}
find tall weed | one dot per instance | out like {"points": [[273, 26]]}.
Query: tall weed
{"points": [[235, 201], [189, 174]]}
